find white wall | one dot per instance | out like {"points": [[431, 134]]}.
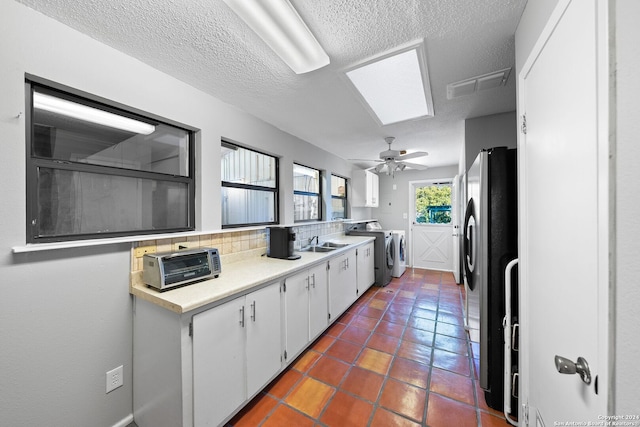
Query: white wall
{"points": [[66, 315], [496, 130], [625, 289]]}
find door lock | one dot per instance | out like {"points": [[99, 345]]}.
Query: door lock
{"points": [[581, 367]]}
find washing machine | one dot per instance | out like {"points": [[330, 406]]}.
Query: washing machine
{"points": [[383, 248], [399, 245]]}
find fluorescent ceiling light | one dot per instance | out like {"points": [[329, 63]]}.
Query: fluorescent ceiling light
{"points": [[89, 114], [280, 26], [395, 88]]}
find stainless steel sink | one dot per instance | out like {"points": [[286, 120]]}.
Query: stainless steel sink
{"points": [[318, 249], [334, 245]]}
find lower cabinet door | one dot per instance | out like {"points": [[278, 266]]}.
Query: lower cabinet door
{"points": [[296, 308], [263, 336], [366, 268], [318, 300], [219, 382], [342, 284]]}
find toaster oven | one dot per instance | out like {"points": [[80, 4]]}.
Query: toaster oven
{"points": [[168, 270]]}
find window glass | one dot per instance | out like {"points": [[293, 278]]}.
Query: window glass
{"points": [[433, 204], [61, 132], [249, 186], [98, 171], [82, 203], [306, 194], [338, 197]]}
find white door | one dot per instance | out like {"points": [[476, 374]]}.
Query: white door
{"points": [[263, 336], [296, 307], [219, 381], [431, 244], [455, 221], [342, 283], [563, 187], [318, 300]]}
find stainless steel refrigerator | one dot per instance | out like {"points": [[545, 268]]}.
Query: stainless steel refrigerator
{"points": [[490, 242]]}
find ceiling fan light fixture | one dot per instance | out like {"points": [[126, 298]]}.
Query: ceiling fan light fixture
{"points": [[283, 30], [379, 167]]}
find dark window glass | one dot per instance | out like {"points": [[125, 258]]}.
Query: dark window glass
{"points": [[307, 199], [97, 171], [338, 197], [249, 187]]}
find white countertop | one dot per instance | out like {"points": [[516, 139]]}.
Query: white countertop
{"points": [[237, 278]]}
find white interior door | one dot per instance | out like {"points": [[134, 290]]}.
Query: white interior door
{"points": [[563, 163], [455, 221]]}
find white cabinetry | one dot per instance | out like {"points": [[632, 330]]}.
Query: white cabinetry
{"points": [[343, 289], [364, 186], [366, 267], [236, 351], [306, 311], [198, 367]]}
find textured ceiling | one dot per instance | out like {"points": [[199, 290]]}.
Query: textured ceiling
{"points": [[203, 43]]}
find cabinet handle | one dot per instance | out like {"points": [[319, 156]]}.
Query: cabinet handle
{"points": [[314, 280], [253, 311], [346, 263], [307, 285], [242, 316]]}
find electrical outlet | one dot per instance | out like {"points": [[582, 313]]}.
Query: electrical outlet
{"points": [[114, 379], [139, 252], [179, 246]]}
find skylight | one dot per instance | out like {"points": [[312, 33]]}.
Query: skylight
{"points": [[395, 88]]}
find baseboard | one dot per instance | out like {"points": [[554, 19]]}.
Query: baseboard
{"points": [[125, 421]]}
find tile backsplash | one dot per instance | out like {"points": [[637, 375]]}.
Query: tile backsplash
{"points": [[239, 245]]}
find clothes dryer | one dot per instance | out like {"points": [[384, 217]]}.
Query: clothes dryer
{"points": [[400, 263]]}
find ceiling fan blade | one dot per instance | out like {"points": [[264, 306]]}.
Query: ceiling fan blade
{"points": [[413, 155], [416, 166], [366, 160]]}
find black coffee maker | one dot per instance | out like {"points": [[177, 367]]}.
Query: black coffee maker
{"points": [[280, 243]]}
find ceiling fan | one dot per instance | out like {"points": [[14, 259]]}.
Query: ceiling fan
{"points": [[394, 160]]}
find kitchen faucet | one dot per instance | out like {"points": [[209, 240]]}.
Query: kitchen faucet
{"points": [[316, 238]]}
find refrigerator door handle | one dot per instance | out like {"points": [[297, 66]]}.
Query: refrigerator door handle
{"points": [[468, 232]]}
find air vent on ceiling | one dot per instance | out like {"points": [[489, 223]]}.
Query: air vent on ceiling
{"points": [[478, 83]]}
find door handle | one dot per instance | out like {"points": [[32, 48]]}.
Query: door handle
{"points": [[581, 367]]}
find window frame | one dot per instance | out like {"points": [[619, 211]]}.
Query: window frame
{"points": [[308, 193], [275, 190], [346, 194], [33, 163]]}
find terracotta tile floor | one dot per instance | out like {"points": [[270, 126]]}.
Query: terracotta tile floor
{"points": [[400, 356]]}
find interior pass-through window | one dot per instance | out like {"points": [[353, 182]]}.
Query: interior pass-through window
{"points": [[94, 170]]}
